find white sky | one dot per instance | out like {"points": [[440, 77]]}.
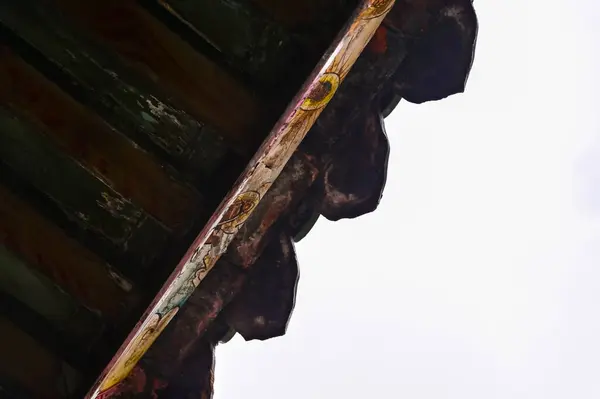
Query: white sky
{"points": [[479, 275]]}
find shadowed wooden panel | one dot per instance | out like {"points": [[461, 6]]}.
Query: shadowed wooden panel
{"points": [[129, 101], [39, 294], [76, 270], [244, 34], [210, 94], [11, 390], [29, 364], [85, 356], [87, 139], [86, 199], [297, 13]]}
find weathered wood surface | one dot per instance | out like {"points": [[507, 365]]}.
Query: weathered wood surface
{"points": [[84, 353], [79, 76], [264, 306], [246, 36], [30, 365], [84, 198], [308, 12], [131, 102], [47, 249], [12, 390], [261, 172], [205, 89], [349, 135], [91, 142], [36, 292], [439, 62]]}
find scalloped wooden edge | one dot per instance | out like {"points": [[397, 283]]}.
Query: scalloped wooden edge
{"points": [[251, 186]]}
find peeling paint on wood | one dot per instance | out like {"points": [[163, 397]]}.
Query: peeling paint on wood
{"points": [[207, 91], [261, 172], [47, 249], [105, 152], [87, 200], [126, 99]]}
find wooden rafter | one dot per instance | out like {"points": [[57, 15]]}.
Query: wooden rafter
{"points": [[257, 178]]}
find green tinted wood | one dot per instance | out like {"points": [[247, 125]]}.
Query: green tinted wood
{"points": [[207, 91], [89, 140], [86, 199], [241, 32], [42, 296], [129, 101], [77, 271], [29, 364]]}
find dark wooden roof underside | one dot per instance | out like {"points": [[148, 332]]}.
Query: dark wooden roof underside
{"points": [[122, 126]]}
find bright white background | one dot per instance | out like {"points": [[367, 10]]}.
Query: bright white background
{"points": [[479, 275]]}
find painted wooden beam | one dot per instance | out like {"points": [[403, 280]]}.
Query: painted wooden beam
{"points": [[104, 152], [260, 173], [129, 101], [208, 92]]}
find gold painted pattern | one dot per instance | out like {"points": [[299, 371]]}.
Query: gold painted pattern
{"points": [[237, 206]]}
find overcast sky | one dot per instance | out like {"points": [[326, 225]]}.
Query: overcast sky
{"points": [[479, 275]]}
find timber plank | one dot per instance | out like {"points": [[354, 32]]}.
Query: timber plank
{"points": [[77, 271], [294, 14], [69, 348], [11, 390], [37, 293], [88, 139], [29, 364], [244, 34], [210, 94], [133, 260], [86, 199], [130, 102]]}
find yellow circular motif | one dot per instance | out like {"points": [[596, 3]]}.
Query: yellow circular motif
{"points": [[321, 92], [376, 8]]}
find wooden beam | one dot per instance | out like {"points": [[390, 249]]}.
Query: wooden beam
{"points": [[12, 390], [87, 138], [77, 271], [36, 293], [30, 365], [85, 198], [209, 93], [81, 355], [244, 196], [245, 36], [294, 14], [131, 102]]}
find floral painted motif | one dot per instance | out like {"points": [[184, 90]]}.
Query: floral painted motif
{"points": [[237, 206]]}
